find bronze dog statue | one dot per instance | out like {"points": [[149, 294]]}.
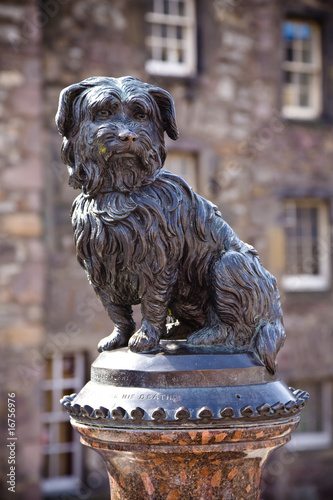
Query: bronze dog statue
{"points": [[143, 235]]}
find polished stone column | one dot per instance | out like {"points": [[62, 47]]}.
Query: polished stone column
{"points": [[186, 464]]}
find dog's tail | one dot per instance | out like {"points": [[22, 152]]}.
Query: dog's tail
{"points": [[247, 299], [269, 341]]}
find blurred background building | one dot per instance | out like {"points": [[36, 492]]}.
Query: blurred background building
{"points": [[253, 86]]}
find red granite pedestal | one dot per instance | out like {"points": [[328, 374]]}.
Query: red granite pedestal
{"points": [[187, 423], [186, 464]]}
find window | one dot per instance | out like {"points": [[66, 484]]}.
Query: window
{"points": [[315, 427], [302, 66], [171, 39], [307, 246], [62, 452], [184, 165]]}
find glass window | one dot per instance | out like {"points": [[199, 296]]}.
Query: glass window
{"points": [[171, 40], [315, 427], [184, 165], [302, 65], [62, 452], [307, 246]]}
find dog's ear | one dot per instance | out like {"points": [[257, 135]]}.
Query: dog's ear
{"points": [[64, 117], [67, 123], [166, 106]]}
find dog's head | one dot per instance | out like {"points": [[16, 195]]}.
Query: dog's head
{"points": [[113, 132]]}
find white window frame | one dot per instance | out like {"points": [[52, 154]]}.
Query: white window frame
{"points": [[302, 441], [59, 386], [321, 281], [183, 164], [314, 69], [155, 43]]}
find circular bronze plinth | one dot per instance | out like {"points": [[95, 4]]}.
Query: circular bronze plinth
{"points": [[181, 385]]}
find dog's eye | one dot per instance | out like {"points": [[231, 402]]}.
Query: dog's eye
{"points": [[103, 113], [141, 115]]}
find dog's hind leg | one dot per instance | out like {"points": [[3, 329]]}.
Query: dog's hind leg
{"points": [[124, 325], [247, 299], [214, 332]]}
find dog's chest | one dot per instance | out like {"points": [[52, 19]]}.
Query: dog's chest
{"points": [[122, 250]]}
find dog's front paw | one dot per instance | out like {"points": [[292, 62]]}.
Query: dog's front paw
{"points": [[144, 339], [116, 339]]}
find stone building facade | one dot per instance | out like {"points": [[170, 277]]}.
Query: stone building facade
{"points": [[253, 88]]}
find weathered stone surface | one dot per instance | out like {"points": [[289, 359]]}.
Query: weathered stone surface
{"points": [[23, 334], [28, 286], [27, 176], [11, 79], [22, 322], [22, 224]]}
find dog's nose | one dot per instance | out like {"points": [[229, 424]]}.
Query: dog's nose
{"points": [[127, 135]]}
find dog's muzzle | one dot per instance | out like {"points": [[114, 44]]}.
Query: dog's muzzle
{"points": [[127, 136]]}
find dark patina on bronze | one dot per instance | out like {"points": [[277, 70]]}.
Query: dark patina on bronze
{"points": [[180, 384], [144, 236], [190, 405]]}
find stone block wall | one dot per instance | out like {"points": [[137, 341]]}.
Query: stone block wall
{"points": [[23, 258]]}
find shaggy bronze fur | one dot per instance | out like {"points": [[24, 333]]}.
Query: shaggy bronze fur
{"points": [[143, 235]]}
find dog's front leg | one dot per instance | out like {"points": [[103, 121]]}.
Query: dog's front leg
{"points": [[154, 307], [124, 325]]}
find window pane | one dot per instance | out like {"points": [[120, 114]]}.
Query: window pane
{"points": [[312, 417], [288, 30], [176, 24], [65, 432], [184, 165], [304, 100], [296, 30], [302, 60], [57, 437], [289, 53], [306, 56], [48, 407], [181, 8], [166, 7], [288, 76], [288, 95], [164, 31], [180, 54], [156, 30], [48, 369], [157, 6], [65, 464], [303, 31], [302, 234], [46, 466], [180, 32], [68, 367], [46, 437], [304, 79]]}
